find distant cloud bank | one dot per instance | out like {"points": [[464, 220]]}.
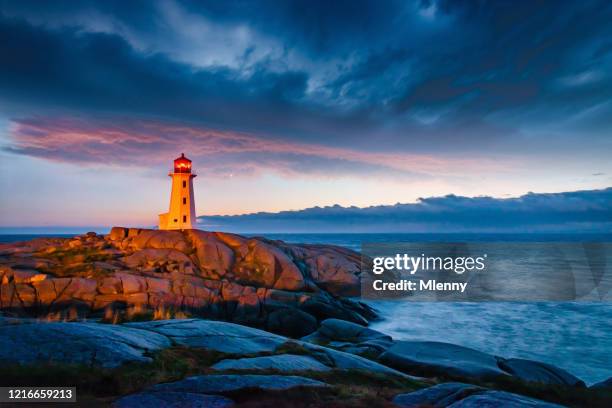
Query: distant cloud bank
{"points": [[588, 211]]}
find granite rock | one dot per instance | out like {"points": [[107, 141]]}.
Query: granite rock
{"points": [[149, 399], [219, 384], [429, 357], [281, 362]]}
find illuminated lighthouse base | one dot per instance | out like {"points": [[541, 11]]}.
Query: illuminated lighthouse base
{"points": [[182, 205]]}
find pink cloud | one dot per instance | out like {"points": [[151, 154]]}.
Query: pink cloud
{"points": [[148, 143]]}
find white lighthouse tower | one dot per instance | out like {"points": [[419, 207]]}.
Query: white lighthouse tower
{"points": [[182, 205]]}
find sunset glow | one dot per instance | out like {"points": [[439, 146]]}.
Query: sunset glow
{"points": [[275, 120]]}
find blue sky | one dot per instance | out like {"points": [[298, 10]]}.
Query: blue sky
{"points": [[291, 104]]}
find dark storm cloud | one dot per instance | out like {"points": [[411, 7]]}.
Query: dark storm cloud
{"points": [[524, 50], [571, 212], [424, 75], [97, 71]]}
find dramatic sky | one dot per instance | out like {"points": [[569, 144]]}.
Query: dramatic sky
{"points": [[291, 104]]}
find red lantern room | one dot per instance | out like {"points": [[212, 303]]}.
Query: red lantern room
{"points": [[182, 164]]}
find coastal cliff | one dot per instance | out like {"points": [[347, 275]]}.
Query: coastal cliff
{"points": [[134, 273]]}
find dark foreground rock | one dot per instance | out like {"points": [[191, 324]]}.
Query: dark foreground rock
{"points": [[173, 400], [459, 395], [242, 363], [603, 385], [346, 361], [350, 337], [213, 335], [435, 358], [27, 342], [282, 288], [217, 384], [282, 362], [529, 370]]}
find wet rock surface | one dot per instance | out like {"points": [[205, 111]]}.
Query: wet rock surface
{"points": [[350, 337]]}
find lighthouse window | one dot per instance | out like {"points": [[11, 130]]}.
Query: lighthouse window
{"points": [[175, 220], [184, 184], [184, 218], [184, 200]]}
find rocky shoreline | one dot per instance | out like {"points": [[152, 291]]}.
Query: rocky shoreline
{"points": [[135, 273], [196, 362], [270, 325]]}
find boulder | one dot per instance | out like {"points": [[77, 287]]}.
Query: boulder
{"points": [[441, 395], [459, 395], [430, 357], [335, 272], [324, 307], [117, 233], [336, 330], [495, 399], [218, 384], [214, 335], [110, 286], [529, 370], [165, 260], [155, 285], [160, 240], [242, 303], [265, 265], [346, 361], [252, 281], [291, 322], [129, 283], [605, 384], [281, 362], [232, 240], [132, 232], [215, 258], [29, 342], [76, 288], [64, 290], [149, 399]]}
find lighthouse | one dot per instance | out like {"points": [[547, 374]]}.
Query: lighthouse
{"points": [[182, 205]]}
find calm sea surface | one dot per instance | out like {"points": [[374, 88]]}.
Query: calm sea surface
{"points": [[576, 336]]}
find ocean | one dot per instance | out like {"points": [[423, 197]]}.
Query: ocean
{"points": [[576, 336]]}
